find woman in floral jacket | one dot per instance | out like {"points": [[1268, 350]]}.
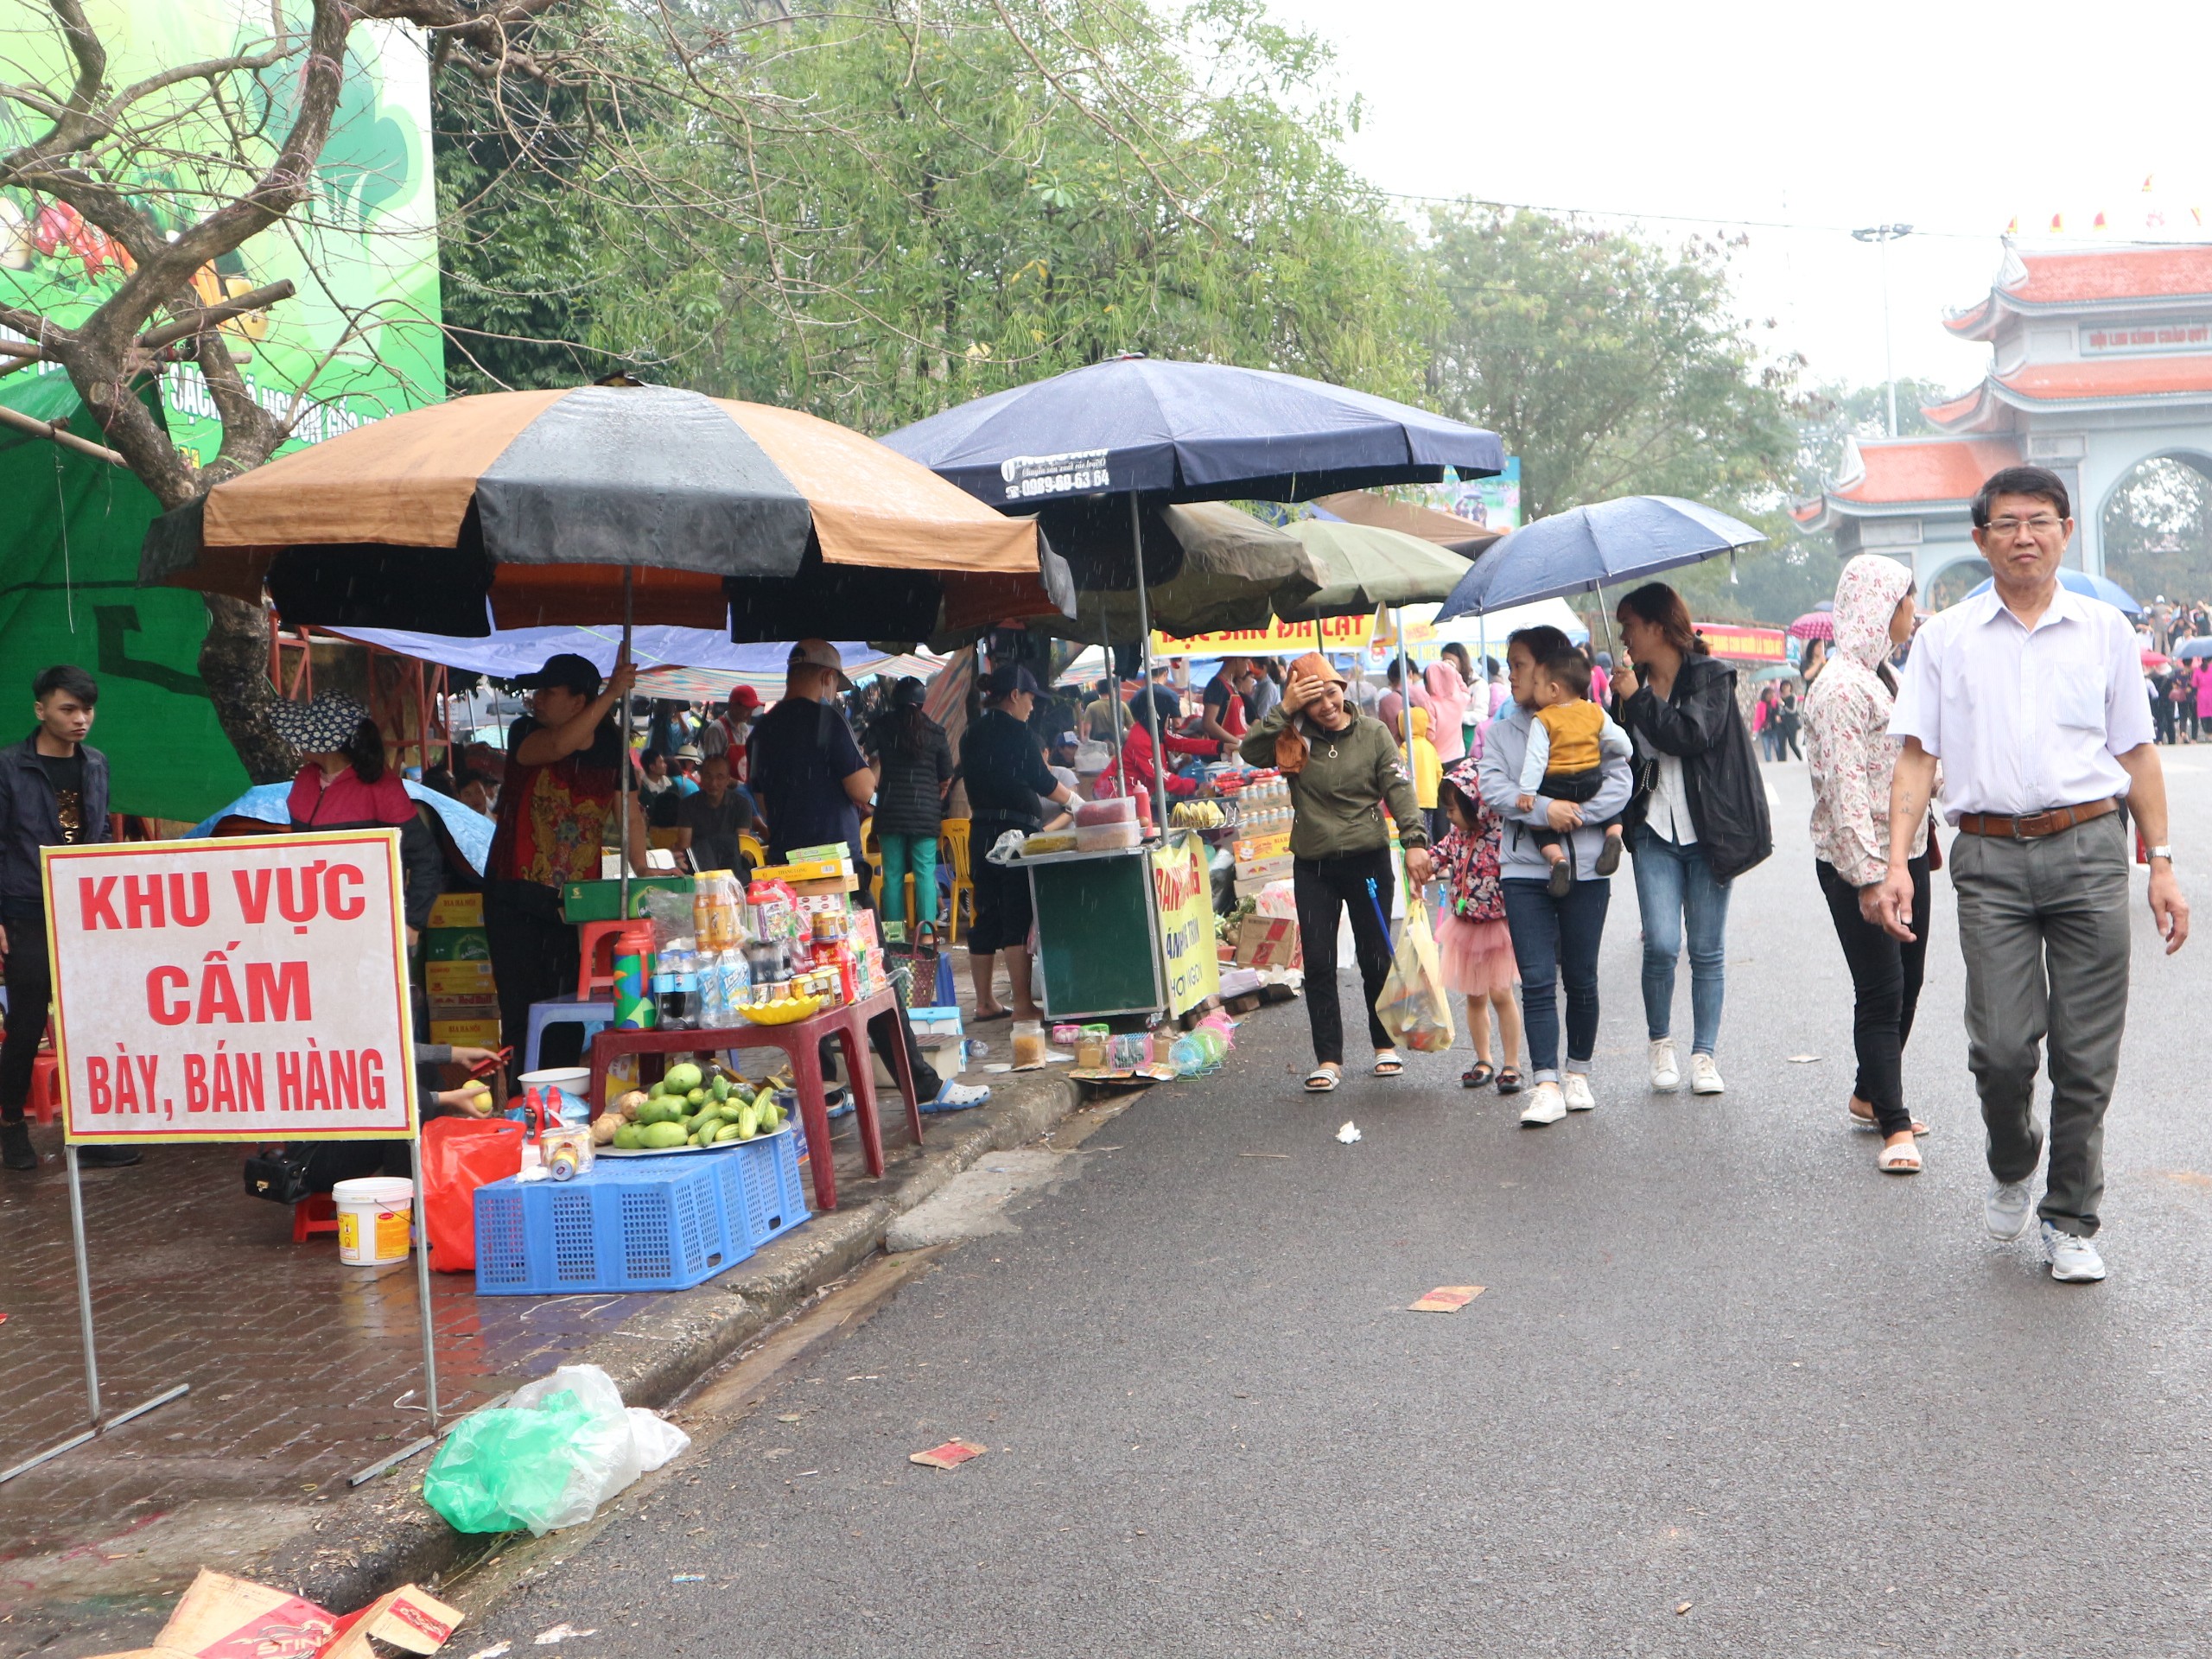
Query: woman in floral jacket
{"points": [[1473, 943], [1850, 753]]}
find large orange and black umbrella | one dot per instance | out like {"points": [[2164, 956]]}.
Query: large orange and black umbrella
{"points": [[524, 509]]}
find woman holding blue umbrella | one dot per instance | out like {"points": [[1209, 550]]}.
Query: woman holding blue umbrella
{"points": [[1698, 819]]}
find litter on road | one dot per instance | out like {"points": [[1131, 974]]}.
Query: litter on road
{"points": [[564, 1632], [1445, 1299], [1349, 1133], [951, 1455]]}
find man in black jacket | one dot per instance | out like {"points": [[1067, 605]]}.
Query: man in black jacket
{"points": [[52, 793]]}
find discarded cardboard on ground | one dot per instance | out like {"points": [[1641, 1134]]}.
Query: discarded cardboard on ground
{"points": [[951, 1455], [1445, 1299], [223, 1617]]}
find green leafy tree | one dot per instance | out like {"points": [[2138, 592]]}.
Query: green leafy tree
{"points": [[878, 210], [1609, 364]]}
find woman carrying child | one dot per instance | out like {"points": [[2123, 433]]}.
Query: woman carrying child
{"points": [[1472, 941]]}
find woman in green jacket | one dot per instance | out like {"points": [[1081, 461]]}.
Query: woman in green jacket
{"points": [[1343, 767]]}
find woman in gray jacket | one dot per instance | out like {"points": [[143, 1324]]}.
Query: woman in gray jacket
{"points": [[1555, 937]]}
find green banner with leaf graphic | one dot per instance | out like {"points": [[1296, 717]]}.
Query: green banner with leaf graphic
{"points": [[359, 340]]}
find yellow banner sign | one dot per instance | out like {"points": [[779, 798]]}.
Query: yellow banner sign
{"points": [[1281, 638], [1185, 896]]}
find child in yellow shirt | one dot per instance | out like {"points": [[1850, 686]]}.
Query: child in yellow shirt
{"points": [[1568, 741]]}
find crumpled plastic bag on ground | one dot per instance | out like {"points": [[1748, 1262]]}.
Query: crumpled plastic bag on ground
{"points": [[549, 1459]]}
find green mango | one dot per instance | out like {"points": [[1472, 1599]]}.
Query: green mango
{"points": [[625, 1138], [683, 1078], [660, 1136]]}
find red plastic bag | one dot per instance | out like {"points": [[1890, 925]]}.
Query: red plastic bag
{"points": [[458, 1156]]}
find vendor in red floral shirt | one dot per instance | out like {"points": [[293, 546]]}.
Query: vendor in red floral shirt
{"points": [[557, 806]]}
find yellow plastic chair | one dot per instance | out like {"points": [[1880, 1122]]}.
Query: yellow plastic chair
{"points": [[952, 846]]}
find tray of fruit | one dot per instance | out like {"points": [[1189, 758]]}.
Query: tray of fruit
{"points": [[693, 1108]]}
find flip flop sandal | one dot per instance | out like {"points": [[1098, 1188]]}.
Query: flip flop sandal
{"points": [[995, 1013], [1509, 1082], [1898, 1160], [1322, 1081], [1868, 1126], [1477, 1076], [1388, 1068]]}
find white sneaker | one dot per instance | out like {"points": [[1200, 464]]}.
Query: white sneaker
{"points": [[1546, 1105], [1576, 1089], [1666, 1075], [1704, 1077], [2005, 1211], [2072, 1261]]}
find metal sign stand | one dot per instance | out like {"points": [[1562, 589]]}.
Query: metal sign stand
{"points": [[92, 1359]]}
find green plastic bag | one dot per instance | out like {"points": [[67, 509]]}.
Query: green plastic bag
{"points": [[504, 1470]]}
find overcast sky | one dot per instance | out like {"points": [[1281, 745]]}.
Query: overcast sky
{"points": [[1949, 116]]}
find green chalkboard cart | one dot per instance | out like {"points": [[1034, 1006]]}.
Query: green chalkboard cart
{"points": [[1128, 931]]}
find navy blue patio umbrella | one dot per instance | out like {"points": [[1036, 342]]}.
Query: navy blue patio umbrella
{"points": [[1586, 547], [1160, 431]]}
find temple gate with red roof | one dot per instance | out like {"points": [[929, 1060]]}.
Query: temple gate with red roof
{"points": [[2099, 360]]}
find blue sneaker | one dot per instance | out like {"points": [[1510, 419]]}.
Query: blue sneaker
{"points": [[839, 1100], [958, 1096]]}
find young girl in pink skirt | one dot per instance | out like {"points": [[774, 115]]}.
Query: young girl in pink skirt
{"points": [[1470, 936]]}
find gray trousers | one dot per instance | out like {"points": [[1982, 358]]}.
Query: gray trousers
{"points": [[2043, 926]]}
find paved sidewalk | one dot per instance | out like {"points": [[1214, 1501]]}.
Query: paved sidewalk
{"points": [[304, 1370]]}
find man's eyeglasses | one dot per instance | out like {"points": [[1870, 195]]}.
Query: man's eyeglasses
{"points": [[2043, 523]]}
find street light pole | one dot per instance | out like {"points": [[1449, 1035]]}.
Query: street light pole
{"points": [[1882, 236]]}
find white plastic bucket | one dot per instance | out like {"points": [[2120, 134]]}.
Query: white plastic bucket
{"points": [[562, 1094], [374, 1215]]}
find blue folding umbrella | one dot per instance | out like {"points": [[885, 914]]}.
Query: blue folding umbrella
{"points": [[1585, 548], [1156, 432], [2080, 582], [2193, 648]]}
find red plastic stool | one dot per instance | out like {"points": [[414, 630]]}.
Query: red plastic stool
{"points": [[315, 1213], [45, 1103], [595, 967]]}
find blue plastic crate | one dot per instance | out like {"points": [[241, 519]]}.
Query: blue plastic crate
{"points": [[645, 1223], [762, 1195]]}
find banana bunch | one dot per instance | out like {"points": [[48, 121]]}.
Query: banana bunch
{"points": [[1197, 814]]}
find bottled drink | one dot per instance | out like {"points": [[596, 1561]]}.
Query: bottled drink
{"points": [[675, 982]]}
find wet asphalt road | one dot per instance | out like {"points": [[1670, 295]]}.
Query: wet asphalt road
{"points": [[1719, 1361]]}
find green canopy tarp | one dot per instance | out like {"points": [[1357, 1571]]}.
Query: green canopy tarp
{"points": [[70, 529]]}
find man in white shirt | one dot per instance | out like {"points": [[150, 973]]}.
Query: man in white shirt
{"points": [[2032, 698]]}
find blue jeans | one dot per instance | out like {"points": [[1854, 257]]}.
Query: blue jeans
{"points": [[1674, 885], [1556, 940]]}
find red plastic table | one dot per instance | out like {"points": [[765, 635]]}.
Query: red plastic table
{"points": [[801, 1041]]}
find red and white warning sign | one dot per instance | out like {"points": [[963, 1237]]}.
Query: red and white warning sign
{"points": [[246, 989]]}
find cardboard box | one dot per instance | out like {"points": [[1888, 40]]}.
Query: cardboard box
{"points": [[456, 945], [598, 902], [467, 1033], [1265, 941], [454, 910], [222, 1617], [1251, 849], [1255, 874], [459, 987]]}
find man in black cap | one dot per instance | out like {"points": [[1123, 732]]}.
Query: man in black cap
{"points": [[52, 793], [563, 773], [812, 781], [1004, 768]]}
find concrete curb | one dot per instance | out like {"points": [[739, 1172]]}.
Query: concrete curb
{"points": [[383, 1535]]}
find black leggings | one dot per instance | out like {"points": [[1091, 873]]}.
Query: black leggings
{"points": [[1324, 888], [1886, 972]]}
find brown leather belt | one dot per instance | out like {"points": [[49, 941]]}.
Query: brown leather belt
{"points": [[2036, 824]]}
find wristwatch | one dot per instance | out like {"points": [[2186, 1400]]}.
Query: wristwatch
{"points": [[2166, 852]]}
